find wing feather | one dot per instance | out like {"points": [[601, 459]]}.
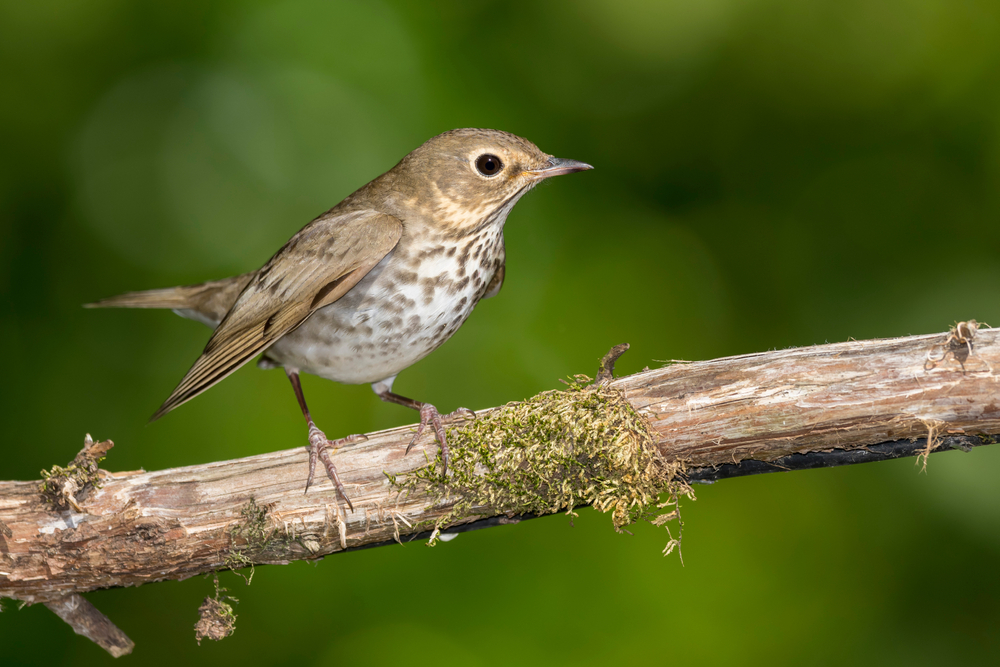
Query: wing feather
{"points": [[315, 268]]}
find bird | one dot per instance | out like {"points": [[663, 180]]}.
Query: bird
{"points": [[371, 286]]}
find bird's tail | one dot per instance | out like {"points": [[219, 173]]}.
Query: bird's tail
{"points": [[206, 302], [170, 297]]}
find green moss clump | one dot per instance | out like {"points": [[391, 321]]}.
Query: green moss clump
{"points": [[254, 525], [557, 451], [237, 559], [255, 531]]}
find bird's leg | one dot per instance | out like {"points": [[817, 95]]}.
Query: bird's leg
{"points": [[319, 444], [429, 415]]}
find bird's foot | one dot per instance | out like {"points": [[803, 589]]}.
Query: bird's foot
{"points": [[319, 446], [429, 415]]}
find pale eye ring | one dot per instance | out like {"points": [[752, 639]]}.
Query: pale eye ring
{"points": [[489, 165]]}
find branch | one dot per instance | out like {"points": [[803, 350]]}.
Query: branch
{"points": [[85, 620], [789, 409]]}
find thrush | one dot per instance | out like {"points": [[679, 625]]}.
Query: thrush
{"points": [[373, 285]]}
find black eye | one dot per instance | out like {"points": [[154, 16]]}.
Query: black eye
{"points": [[489, 165]]}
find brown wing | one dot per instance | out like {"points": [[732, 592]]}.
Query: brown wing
{"points": [[314, 269]]}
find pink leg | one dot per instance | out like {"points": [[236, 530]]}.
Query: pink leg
{"points": [[429, 415], [319, 444]]}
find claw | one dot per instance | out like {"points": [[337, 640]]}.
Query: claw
{"points": [[420, 430], [319, 446], [430, 415]]}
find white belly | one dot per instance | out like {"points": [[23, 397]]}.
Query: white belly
{"points": [[387, 322]]}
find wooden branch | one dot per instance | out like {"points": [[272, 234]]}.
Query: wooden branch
{"points": [[787, 409], [85, 620], [842, 396]]}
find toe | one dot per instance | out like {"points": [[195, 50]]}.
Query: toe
{"points": [[416, 436]]}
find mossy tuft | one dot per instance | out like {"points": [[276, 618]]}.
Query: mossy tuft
{"points": [[556, 451], [60, 485], [255, 531], [216, 618], [254, 525]]}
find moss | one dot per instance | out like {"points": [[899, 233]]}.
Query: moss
{"points": [[554, 452], [61, 485], [255, 531], [254, 525], [216, 618], [237, 559]]}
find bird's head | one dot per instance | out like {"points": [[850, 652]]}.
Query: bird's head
{"points": [[465, 179]]}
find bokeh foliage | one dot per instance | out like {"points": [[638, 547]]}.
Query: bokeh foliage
{"points": [[768, 173]]}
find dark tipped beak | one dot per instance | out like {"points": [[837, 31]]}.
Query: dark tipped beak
{"points": [[558, 166]]}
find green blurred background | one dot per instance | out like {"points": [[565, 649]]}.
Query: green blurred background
{"points": [[769, 173]]}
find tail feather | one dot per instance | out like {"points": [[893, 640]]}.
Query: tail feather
{"points": [[206, 302], [170, 297]]}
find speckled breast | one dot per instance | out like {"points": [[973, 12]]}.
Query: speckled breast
{"points": [[414, 300]]}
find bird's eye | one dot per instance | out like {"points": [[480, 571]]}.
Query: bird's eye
{"points": [[489, 165]]}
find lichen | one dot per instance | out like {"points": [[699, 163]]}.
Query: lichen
{"points": [[557, 451]]}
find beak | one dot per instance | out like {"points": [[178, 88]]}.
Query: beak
{"points": [[557, 167]]}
